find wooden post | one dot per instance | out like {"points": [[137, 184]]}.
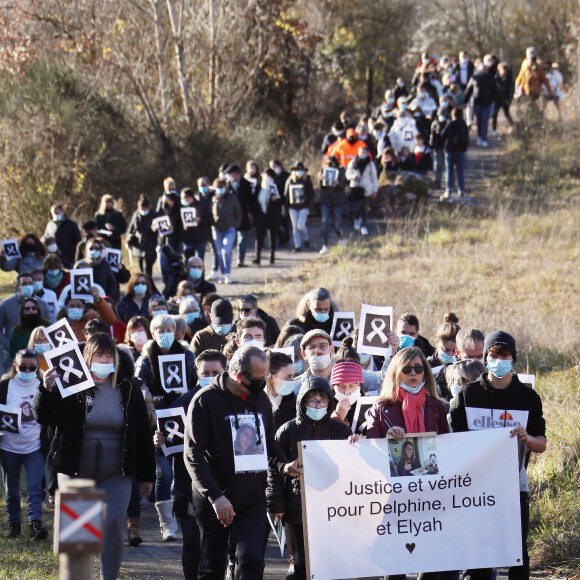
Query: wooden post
{"points": [[77, 563], [369, 88]]}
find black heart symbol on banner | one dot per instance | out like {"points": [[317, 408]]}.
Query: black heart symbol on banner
{"points": [[410, 547]]}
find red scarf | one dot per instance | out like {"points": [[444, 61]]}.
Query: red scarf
{"points": [[413, 410]]}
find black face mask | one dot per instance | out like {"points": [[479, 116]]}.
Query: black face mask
{"points": [[255, 385], [352, 140]]}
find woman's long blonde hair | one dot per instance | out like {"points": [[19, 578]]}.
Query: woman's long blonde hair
{"points": [[103, 206], [390, 388]]}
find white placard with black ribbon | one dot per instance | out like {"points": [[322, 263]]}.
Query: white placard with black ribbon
{"points": [[343, 324], [188, 217], [171, 422], [11, 248], [10, 420], [163, 224], [375, 323], [172, 372], [113, 258], [364, 406], [60, 333], [74, 375], [81, 282]]}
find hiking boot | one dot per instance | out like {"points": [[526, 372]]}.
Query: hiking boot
{"points": [[37, 532], [15, 531], [134, 532]]}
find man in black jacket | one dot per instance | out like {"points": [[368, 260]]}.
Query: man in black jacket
{"points": [[66, 233], [484, 90], [455, 137], [229, 443], [496, 400]]}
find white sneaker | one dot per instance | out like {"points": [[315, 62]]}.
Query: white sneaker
{"points": [[214, 275], [484, 144], [445, 196], [357, 224], [364, 231], [492, 133], [324, 250], [227, 279]]}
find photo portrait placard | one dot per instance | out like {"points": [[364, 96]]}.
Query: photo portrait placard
{"points": [[414, 455], [249, 449], [171, 422], [296, 194], [188, 217], [10, 420], [81, 282], [113, 258], [163, 224], [74, 373], [172, 372], [11, 248], [60, 333], [343, 325], [329, 176], [375, 323], [362, 411]]}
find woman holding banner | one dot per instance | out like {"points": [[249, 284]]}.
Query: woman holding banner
{"points": [[408, 402], [104, 434]]}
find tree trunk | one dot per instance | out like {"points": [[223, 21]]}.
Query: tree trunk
{"points": [[212, 65], [161, 66], [180, 59]]}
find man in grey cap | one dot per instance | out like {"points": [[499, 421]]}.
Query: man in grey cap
{"points": [[216, 334]]}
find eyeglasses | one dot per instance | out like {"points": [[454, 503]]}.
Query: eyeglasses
{"points": [[417, 368], [322, 347], [27, 369], [245, 310], [316, 404]]}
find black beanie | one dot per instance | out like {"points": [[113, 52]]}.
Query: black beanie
{"points": [[499, 337]]}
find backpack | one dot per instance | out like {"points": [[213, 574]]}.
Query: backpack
{"points": [[460, 140]]}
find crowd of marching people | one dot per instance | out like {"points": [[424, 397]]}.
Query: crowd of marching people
{"points": [[256, 386]]}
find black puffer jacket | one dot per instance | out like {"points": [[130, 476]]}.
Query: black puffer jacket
{"points": [[67, 417], [283, 493]]}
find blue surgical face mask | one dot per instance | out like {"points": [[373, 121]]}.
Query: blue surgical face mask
{"points": [[411, 390], [316, 414], [299, 173], [222, 329], [221, 190], [285, 388], [38, 285], [321, 316], [26, 291], [42, 347], [140, 289], [53, 273], [445, 358], [499, 368], [75, 313], [298, 367], [26, 377], [205, 381], [160, 313], [203, 189], [403, 107], [185, 203], [102, 370], [94, 254], [191, 316], [405, 340], [195, 274], [165, 340], [442, 118]]}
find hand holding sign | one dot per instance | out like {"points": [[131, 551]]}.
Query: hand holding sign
{"points": [[171, 429], [69, 370]]}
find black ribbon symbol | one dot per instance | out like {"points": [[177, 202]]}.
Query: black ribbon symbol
{"points": [[61, 337], [82, 284], [344, 329], [172, 428], [11, 250], [378, 325], [173, 370], [8, 423], [68, 368]]}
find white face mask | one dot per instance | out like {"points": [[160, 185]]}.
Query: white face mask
{"points": [[52, 248], [319, 362], [254, 342], [352, 398]]}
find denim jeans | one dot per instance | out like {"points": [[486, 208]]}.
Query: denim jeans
{"points": [[438, 165], [134, 507], [12, 464], [214, 255], [299, 230], [163, 476], [327, 211], [359, 209], [195, 249], [455, 161], [168, 274], [246, 534], [224, 243], [243, 238], [482, 114]]}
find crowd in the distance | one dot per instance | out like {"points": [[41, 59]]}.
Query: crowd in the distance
{"points": [[256, 386]]}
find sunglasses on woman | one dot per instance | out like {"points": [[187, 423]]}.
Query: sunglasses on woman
{"points": [[417, 368], [27, 369]]}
